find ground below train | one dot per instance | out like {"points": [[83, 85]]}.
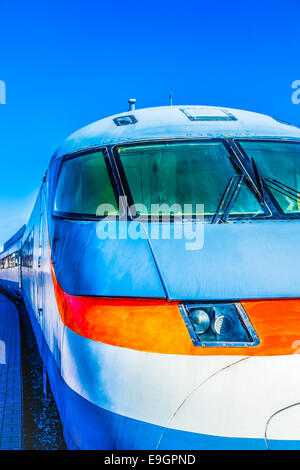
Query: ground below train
{"points": [[42, 429]]}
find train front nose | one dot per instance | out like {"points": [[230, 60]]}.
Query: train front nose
{"points": [[250, 404], [283, 428]]}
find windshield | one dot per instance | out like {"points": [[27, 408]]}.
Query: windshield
{"points": [[279, 165], [175, 174]]}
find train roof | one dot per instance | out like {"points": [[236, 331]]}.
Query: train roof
{"points": [[13, 240], [186, 121]]}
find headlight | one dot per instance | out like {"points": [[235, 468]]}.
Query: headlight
{"points": [[200, 320], [219, 325]]}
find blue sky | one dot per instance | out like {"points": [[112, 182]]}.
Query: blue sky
{"points": [[68, 63]]}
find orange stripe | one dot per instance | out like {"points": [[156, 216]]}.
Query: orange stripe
{"points": [[277, 323], [157, 325]]}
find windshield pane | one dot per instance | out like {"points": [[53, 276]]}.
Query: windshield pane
{"points": [[183, 173], [83, 185], [279, 161]]}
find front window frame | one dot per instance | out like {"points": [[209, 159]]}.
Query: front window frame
{"points": [[82, 216], [120, 186], [277, 212]]}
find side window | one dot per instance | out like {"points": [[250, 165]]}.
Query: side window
{"points": [[83, 185], [12, 260], [17, 258], [27, 251]]}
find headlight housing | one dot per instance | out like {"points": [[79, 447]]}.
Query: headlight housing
{"points": [[221, 324]]}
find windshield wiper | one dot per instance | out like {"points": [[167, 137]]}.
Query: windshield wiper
{"points": [[258, 180], [285, 189], [222, 202]]}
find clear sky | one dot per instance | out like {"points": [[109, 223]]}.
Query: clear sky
{"points": [[67, 63]]}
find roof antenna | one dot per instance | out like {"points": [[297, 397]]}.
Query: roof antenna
{"points": [[170, 88], [131, 104]]}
